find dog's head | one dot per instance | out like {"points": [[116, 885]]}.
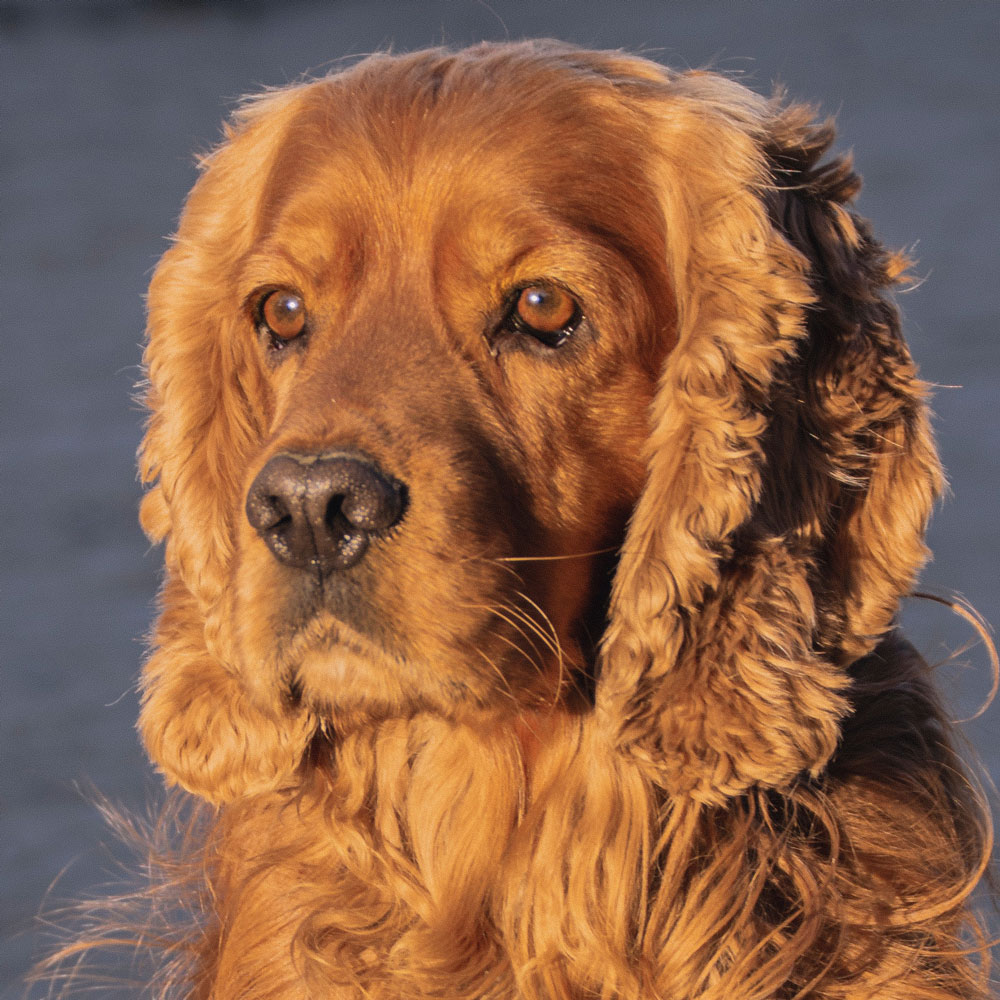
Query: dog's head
{"points": [[525, 379]]}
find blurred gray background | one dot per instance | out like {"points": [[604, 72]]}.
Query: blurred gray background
{"points": [[103, 104]]}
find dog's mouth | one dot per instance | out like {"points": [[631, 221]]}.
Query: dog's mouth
{"points": [[347, 679], [349, 654]]}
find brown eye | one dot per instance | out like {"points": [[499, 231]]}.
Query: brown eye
{"points": [[546, 312], [283, 313]]}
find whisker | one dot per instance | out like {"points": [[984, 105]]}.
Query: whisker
{"points": [[551, 641], [545, 618], [473, 557], [503, 612], [560, 558], [531, 660], [555, 644], [506, 689]]}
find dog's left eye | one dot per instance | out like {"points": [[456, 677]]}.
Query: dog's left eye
{"points": [[546, 312]]}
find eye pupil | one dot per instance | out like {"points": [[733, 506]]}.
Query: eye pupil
{"points": [[284, 314], [546, 310]]}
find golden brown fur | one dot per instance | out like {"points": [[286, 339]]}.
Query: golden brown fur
{"points": [[617, 708]]}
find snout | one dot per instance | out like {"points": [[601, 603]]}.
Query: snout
{"points": [[320, 512]]}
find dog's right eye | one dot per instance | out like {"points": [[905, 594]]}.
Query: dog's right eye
{"points": [[281, 314]]}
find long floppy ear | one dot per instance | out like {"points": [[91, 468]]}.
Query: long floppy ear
{"points": [[791, 469], [208, 405], [198, 723]]}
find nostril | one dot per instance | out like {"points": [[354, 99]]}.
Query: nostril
{"points": [[270, 516], [268, 512], [373, 503], [338, 526], [334, 511]]}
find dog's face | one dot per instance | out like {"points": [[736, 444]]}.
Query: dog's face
{"points": [[457, 306], [444, 336]]}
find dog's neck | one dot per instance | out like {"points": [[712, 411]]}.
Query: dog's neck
{"points": [[428, 858], [442, 842]]}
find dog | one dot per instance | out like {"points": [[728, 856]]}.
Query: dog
{"points": [[540, 467]]}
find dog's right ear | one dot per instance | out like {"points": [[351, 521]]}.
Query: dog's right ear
{"points": [[201, 371], [198, 723], [200, 727]]}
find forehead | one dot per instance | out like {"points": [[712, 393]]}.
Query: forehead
{"points": [[399, 152]]}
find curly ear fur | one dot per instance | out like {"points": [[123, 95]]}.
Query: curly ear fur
{"points": [[197, 722], [864, 425], [791, 467]]}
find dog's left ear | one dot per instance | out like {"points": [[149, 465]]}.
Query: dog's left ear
{"points": [[791, 468]]}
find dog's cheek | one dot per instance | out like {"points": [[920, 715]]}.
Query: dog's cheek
{"points": [[448, 564], [587, 432]]}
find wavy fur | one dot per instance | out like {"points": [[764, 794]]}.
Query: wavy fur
{"points": [[712, 769]]}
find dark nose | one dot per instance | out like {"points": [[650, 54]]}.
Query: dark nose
{"points": [[321, 511]]}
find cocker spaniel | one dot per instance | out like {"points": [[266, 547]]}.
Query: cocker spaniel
{"points": [[540, 466]]}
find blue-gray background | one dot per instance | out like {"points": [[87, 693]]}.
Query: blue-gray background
{"points": [[104, 104]]}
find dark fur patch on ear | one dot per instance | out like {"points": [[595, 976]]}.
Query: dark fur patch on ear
{"points": [[850, 417]]}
